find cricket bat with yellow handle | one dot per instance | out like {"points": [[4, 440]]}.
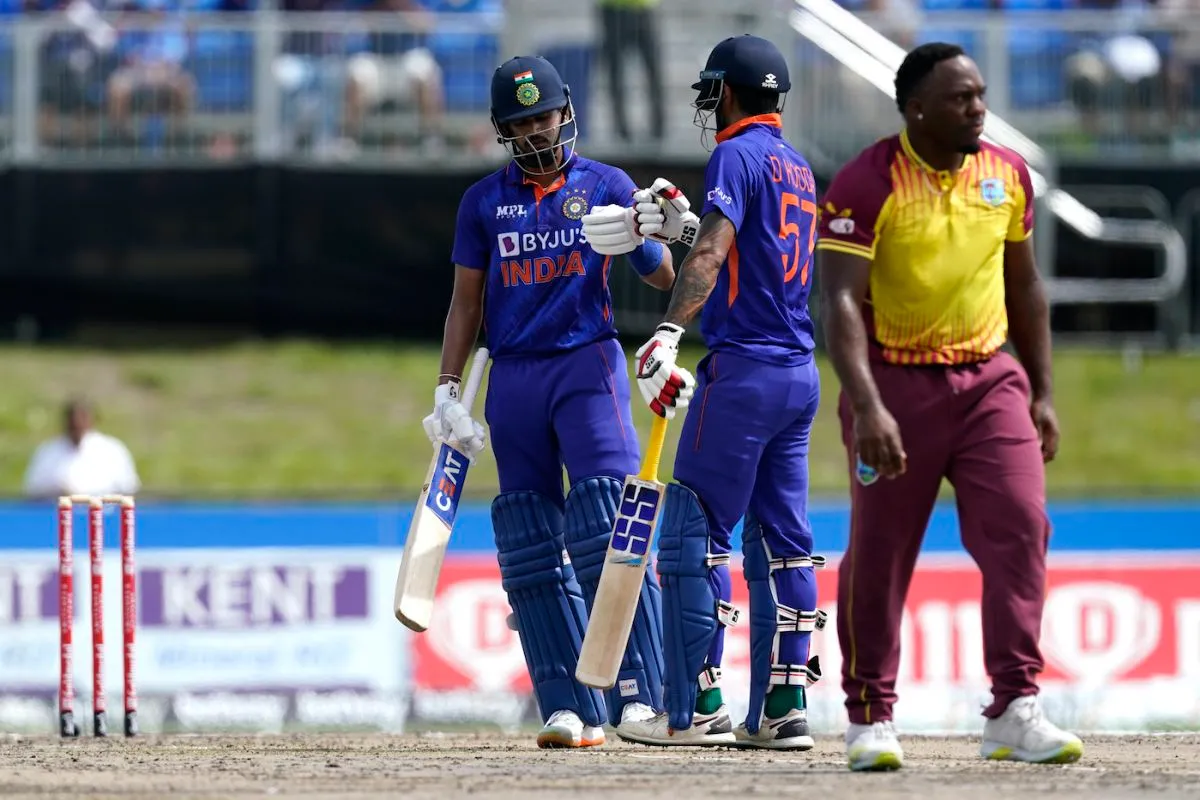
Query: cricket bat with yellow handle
{"points": [[625, 563], [433, 520]]}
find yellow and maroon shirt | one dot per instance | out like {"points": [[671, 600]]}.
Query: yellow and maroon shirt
{"points": [[936, 242]]}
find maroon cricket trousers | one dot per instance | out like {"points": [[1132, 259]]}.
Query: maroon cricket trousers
{"points": [[971, 425]]}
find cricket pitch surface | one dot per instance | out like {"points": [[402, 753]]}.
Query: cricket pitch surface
{"points": [[441, 766]]}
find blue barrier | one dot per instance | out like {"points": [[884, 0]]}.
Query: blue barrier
{"points": [[1077, 526]]}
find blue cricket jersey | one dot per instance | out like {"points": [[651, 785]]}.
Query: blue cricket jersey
{"points": [[759, 306], [546, 290]]}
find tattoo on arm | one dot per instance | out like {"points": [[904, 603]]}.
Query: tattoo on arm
{"points": [[698, 272]]}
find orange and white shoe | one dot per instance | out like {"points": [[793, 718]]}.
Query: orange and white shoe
{"points": [[566, 729]]}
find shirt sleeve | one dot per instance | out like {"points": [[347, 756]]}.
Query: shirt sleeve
{"points": [[727, 184], [646, 257], [1020, 227], [127, 477], [855, 209], [41, 479], [470, 247]]}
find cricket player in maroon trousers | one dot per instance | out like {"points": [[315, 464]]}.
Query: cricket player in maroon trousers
{"points": [[926, 268]]}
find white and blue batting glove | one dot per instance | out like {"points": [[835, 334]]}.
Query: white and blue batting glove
{"points": [[672, 219], [451, 424], [665, 387]]}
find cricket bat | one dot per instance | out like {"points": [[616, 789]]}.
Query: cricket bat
{"points": [[625, 565], [433, 520]]}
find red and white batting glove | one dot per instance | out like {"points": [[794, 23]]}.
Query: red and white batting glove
{"points": [[672, 221], [665, 387]]}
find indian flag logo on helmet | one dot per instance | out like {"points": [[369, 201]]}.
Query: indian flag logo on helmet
{"points": [[528, 94]]}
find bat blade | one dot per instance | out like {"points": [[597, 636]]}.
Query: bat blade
{"points": [[433, 521], [630, 549], [428, 537]]}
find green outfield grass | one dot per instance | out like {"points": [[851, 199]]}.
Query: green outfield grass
{"points": [[302, 419]]}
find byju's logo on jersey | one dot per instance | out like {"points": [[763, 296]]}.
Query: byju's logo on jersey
{"points": [[992, 191], [510, 212], [510, 244], [514, 243]]}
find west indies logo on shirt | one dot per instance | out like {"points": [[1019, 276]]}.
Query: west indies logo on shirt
{"points": [[992, 191]]}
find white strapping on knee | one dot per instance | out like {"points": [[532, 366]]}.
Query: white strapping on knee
{"points": [[793, 620], [709, 677], [796, 674]]}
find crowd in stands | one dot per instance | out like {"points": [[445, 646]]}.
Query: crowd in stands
{"points": [[109, 61], [1141, 60]]}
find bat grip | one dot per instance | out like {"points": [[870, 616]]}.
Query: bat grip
{"points": [[475, 378], [658, 436]]}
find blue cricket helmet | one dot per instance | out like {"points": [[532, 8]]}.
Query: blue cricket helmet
{"points": [[745, 61], [526, 86], [529, 86]]}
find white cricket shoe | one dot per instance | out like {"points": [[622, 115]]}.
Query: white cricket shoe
{"points": [[566, 729], [1022, 733], [873, 748], [789, 732], [634, 713], [708, 730]]}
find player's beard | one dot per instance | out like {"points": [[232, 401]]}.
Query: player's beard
{"points": [[543, 159], [722, 120], [970, 148]]}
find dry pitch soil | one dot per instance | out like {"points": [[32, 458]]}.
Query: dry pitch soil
{"points": [[443, 766]]}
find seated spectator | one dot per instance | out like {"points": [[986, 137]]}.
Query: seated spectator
{"points": [[1122, 74], [1036, 54], [397, 69], [311, 73], [81, 461], [153, 49], [75, 65], [1183, 73]]}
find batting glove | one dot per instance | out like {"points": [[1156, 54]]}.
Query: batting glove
{"points": [[612, 230], [450, 423], [670, 219], [665, 387]]}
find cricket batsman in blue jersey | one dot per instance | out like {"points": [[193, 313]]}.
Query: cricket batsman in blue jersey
{"points": [[743, 448], [558, 392]]}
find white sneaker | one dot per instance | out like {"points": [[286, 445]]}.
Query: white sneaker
{"points": [[634, 713], [873, 747], [566, 729], [789, 732], [708, 730], [1022, 733]]}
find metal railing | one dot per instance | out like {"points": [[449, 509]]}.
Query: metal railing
{"points": [[861, 51]]}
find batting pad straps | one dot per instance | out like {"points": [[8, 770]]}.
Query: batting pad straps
{"points": [[710, 676], [796, 674], [791, 620], [798, 562], [546, 601]]}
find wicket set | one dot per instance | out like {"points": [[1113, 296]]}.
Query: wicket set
{"points": [[66, 608]]}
